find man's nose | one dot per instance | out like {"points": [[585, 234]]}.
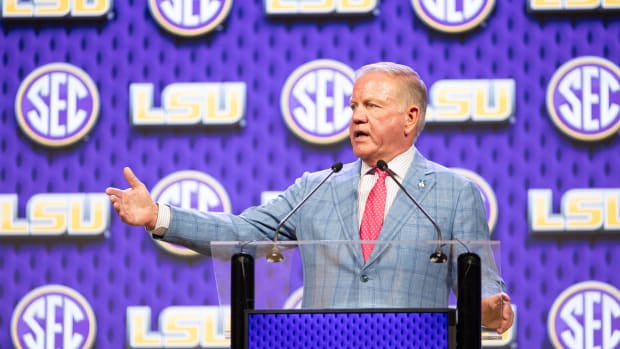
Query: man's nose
{"points": [[358, 116]]}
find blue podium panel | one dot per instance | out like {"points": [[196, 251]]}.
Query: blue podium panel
{"points": [[347, 328]]}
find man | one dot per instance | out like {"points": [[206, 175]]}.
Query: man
{"points": [[389, 105]]}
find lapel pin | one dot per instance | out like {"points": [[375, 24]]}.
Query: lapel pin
{"points": [[421, 183]]}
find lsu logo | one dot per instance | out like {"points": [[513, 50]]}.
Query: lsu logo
{"points": [[56, 214], [586, 316], [179, 327], [454, 101], [453, 16], [315, 101], [567, 5], [296, 7], [188, 104], [57, 105], [582, 210], [53, 316], [488, 195], [189, 17], [55, 8], [583, 98], [191, 190]]}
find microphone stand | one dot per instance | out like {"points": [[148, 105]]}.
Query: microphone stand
{"points": [[275, 255], [437, 256], [469, 317], [242, 277]]}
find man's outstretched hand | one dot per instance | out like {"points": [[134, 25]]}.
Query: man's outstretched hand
{"points": [[134, 205]]}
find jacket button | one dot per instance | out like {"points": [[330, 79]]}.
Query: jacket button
{"points": [[364, 278]]}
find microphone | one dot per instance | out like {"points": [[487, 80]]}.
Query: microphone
{"points": [[438, 256], [276, 255]]}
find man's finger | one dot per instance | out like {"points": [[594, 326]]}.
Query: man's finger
{"points": [[507, 317], [114, 199], [113, 191], [505, 297], [131, 178]]}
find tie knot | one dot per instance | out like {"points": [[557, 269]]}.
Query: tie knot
{"points": [[382, 174]]}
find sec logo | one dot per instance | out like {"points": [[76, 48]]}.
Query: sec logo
{"points": [[189, 17], [583, 98], [57, 104], [315, 101], [53, 316], [190, 190], [586, 316]]}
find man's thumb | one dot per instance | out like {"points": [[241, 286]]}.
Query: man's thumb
{"points": [[131, 177]]}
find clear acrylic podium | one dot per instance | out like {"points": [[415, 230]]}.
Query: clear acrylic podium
{"points": [[303, 300]]}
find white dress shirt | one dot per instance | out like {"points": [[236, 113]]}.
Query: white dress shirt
{"points": [[399, 165]]}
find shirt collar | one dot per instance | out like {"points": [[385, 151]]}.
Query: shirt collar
{"points": [[399, 165]]}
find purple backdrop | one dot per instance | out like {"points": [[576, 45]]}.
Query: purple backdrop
{"points": [[124, 268]]}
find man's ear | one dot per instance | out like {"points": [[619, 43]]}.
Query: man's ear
{"points": [[412, 117]]}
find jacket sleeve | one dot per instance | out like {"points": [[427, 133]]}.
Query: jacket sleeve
{"points": [[196, 230], [471, 228]]}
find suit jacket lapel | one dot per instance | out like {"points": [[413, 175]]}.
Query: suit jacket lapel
{"points": [[344, 188], [419, 181]]}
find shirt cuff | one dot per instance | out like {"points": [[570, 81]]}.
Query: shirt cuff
{"points": [[163, 220]]}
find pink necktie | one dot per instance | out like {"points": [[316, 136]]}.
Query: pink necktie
{"points": [[373, 214]]}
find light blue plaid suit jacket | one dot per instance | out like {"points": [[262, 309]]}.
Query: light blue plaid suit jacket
{"points": [[400, 276]]}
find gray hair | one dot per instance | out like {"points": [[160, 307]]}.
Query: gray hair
{"points": [[414, 85]]}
